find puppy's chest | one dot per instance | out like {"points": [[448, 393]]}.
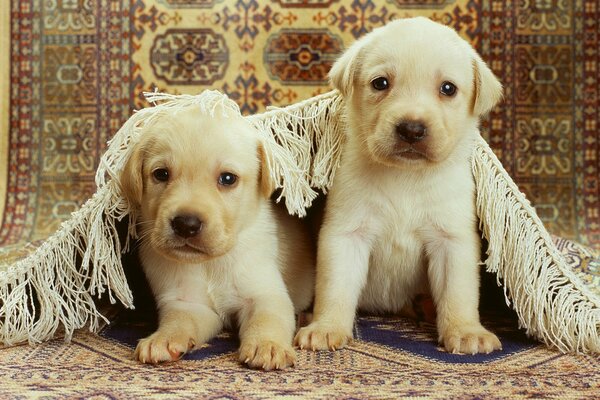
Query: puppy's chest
{"points": [[397, 264], [397, 249], [397, 237], [212, 287], [398, 220], [397, 270], [225, 295]]}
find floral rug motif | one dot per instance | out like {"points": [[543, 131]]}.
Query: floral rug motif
{"points": [[78, 69]]}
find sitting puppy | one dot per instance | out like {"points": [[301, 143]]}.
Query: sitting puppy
{"points": [[400, 217], [213, 247]]}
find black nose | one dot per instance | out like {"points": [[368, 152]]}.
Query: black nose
{"points": [[411, 131], [186, 226]]}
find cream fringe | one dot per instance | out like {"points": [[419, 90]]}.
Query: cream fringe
{"points": [[54, 287], [50, 289], [311, 131], [552, 303]]}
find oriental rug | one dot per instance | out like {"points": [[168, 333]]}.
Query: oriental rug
{"points": [[78, 68], [76, 72], [392, 358]]}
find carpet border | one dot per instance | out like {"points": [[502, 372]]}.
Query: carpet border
{"points": [[4, 103]]}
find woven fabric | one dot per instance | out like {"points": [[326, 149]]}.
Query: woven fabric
{"points": [[78, 70], [393, 358]]}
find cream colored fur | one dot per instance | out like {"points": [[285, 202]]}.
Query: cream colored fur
{"points": [[251, 265], [400, 218]]}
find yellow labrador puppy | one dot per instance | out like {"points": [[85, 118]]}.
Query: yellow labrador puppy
{"points": [[214, 249], [400, 217]]}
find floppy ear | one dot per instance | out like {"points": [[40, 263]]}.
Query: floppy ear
{"points": [[344, 70], [487, 90], [267, 186], [132, 184]]}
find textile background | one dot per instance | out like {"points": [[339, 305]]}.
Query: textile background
{"points": [[78, 68], [76, 72]]}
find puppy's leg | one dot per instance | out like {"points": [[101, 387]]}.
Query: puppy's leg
{"points": [[454, 279], [182, 327], [266, 329], [342, 265]]}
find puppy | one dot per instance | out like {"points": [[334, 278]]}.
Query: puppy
{"points": [[214, 249], [400, 218]]}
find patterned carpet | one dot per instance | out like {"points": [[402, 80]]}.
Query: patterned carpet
{"points": [[78, 67], [393, 359]]}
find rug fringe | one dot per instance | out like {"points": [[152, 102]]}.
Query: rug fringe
{"points": [[55, 286], [311, 132], [551, 302]]}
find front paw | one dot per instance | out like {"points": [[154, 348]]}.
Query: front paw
{"points": [[320, 336], [470, 339], [267, 355], [163, 347]]}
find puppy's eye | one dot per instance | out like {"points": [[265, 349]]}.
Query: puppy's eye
{"points": [[380, 83], [161, 174], [448, 89], [227, 179]]}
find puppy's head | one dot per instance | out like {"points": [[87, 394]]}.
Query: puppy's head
{"points": [[198, 181], [414, 89]]}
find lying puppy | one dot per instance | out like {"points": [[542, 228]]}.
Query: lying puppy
{"points": [[214, 249], [400, 217]]}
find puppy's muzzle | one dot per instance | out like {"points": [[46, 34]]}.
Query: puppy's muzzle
{"points": [[411, 131], [186, 226]]}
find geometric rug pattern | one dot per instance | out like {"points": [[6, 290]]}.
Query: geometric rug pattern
{"points": [[77, 70], [394, 358]]}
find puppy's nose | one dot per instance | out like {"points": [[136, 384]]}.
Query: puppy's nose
{"points": [[186, 226], [411, 131]]}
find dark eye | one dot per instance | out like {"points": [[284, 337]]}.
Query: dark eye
{"points": [[227, 179], [380, 83], [448, 89], [161, 174]]}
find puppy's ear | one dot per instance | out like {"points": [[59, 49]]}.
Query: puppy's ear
{"points": [[344, 70], [487, 88], [132, 184], [267, 186]]}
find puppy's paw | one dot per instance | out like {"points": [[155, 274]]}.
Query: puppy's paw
{"points": [[267, 355], [471, 339], [162, 347], [319, 336]]}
